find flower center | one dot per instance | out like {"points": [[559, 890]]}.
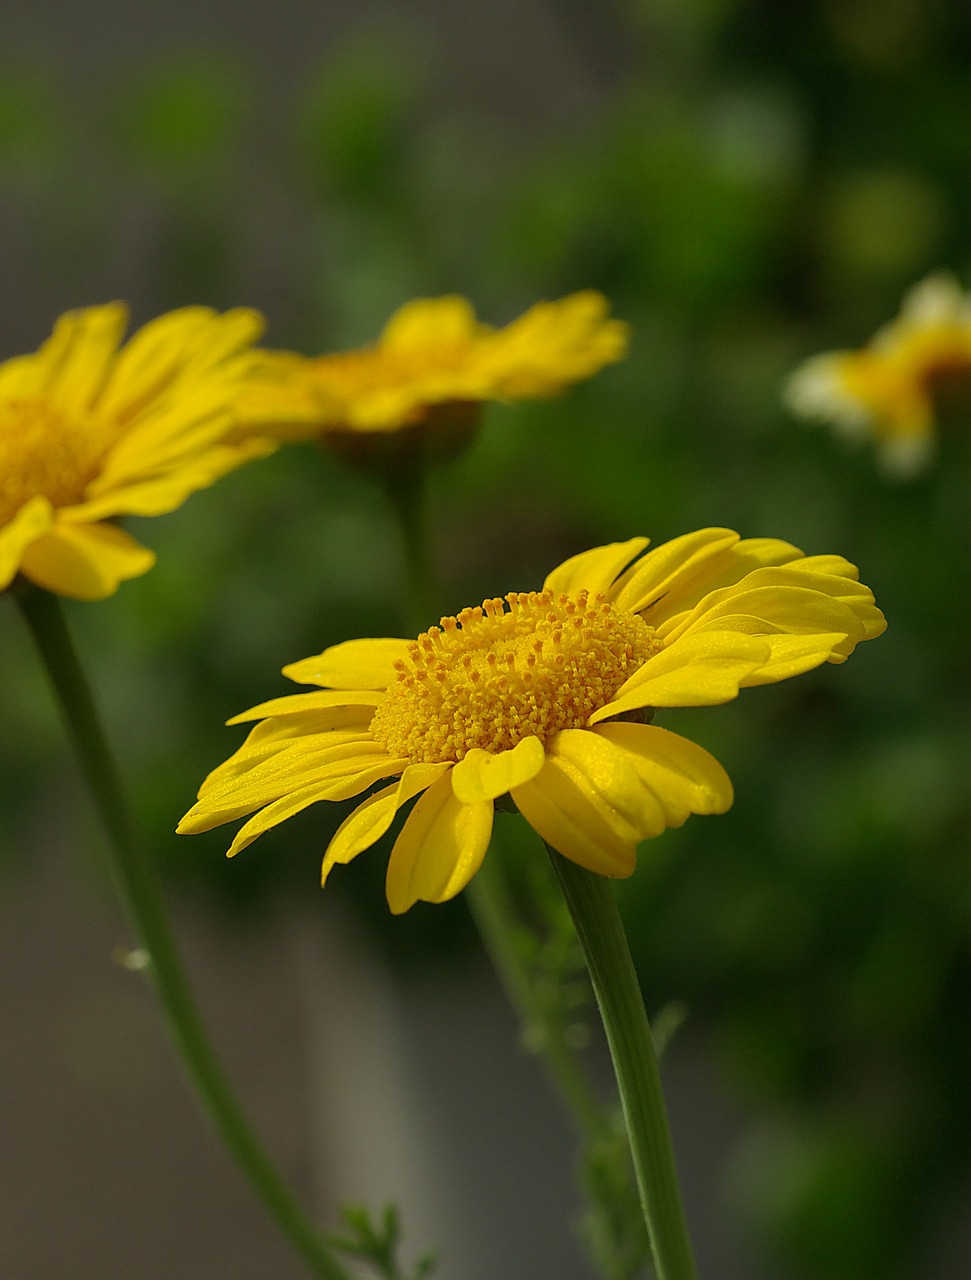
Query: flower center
{"points": [[44, 453], [494, 676]]}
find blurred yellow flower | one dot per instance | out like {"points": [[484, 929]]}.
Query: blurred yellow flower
{"points": [[433, 361], [546, 696], [91, 430], [888, 389]]}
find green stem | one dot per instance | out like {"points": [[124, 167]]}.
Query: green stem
{"points": [[141, 894], [405, 486], [599, 927], [493, 914]]}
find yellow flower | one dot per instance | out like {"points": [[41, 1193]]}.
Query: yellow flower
{"points": [[887, 389], [434, 362], [90, 431], [545, 696]]}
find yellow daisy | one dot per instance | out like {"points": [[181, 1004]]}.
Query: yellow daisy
{"points": [[433, 365], [545, 696], [888, 388], [91, 430]]}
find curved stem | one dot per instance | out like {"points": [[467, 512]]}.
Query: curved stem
{"points": [[141, 895], [599, 927]]}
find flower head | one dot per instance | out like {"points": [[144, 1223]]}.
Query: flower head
{"points": [[432, 367], [545, 696], [888, 389], [91, 430]]}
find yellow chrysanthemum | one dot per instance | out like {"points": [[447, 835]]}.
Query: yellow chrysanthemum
{"points": [[545, 696], [91, 430], [432, 356], [887, 389]]}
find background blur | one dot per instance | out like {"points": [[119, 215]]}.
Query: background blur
{"points": [[750, 183]]}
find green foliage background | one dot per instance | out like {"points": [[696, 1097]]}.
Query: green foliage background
{"points": [[762, 182]]}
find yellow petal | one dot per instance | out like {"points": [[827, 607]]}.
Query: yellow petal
{"points": [[182, 348], [269, 739], [439, 849], [152, 358], [335, 773], [296, 764], [340, 723], [431, 322], [370, 820], [285, 733], [697, 671], [671, 568], [672, 578], [840, 579], [355, 664], [80, 352], [589, 804], [202, 818], [788, 606], [830, 565], [683, 777], [22, 376], [594, 570], [172, 433], [609, 780], [112, 494], [31, 522], [353, 784], [387, 410], [552, 345], [86, 562], [232, 332], [789, 655], [794, 597], [484, 776], [286, 807], [295, 703], [281, 398]]}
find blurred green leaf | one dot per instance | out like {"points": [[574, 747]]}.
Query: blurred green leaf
{"points": [[353, 122], [185, 114], [31, 128]]}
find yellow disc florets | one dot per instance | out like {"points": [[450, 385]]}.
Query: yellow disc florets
{"points": [[494, 676], [43, 454]]}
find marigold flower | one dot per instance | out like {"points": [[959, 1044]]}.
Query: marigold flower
{"points": [[433, 367], [545, 696], [90, 430], [888, 389]]}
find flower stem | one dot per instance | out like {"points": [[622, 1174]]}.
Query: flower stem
{"points": [[141, 895], [599, 927], [405, 487]]}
